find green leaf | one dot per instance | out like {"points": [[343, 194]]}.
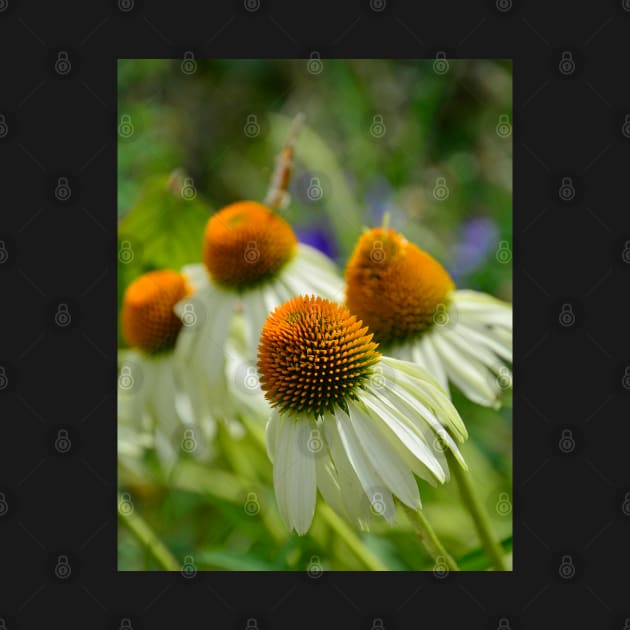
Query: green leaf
{"points": [[166, 224]]}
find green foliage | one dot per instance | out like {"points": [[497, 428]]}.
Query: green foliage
{"points": [[436, 126]]}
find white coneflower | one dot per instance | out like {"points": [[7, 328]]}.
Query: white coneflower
{"points": [[346, 420], [252, 263], [410, 303], [151, 406]]}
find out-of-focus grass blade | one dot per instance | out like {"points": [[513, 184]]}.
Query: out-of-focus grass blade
{"points": [[477, 560], [339, 202]]}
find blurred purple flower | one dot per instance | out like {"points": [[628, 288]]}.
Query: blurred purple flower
{"points": [[320, 237], [477, 241]]}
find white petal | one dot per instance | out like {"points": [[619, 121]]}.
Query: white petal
{"points": [[372, 483], [466, 373], [196, 275], [353, 497], [433, 365], [329, 486], [272, 433], [166, 451], [429, 408], [483, 307], [255, 313], [407, 433], [487, 340], [383, 457], [431, 428], [294, 475], [426, 402]]}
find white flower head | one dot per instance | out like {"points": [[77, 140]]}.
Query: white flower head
{"points": [[152, 408], [346, 420], [252, 263], [410, 303]]}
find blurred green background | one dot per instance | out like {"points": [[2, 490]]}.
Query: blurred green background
{"points": [[430, 145]]}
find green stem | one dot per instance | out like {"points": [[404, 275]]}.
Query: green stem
{"points": [[140, 529], [429, 538], [478, 513], [344, 531]]}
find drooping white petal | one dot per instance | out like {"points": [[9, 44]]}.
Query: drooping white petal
{"points": [[486, 339], [354, 499], [482, 307], [383, 457], [311, 272], [372, 483], [424, 388], [465, 373], [329, 486], [294, 474], [196, 276], [407, 433], [424, 350], [477, 353], [254, 313], [272, 434]]}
